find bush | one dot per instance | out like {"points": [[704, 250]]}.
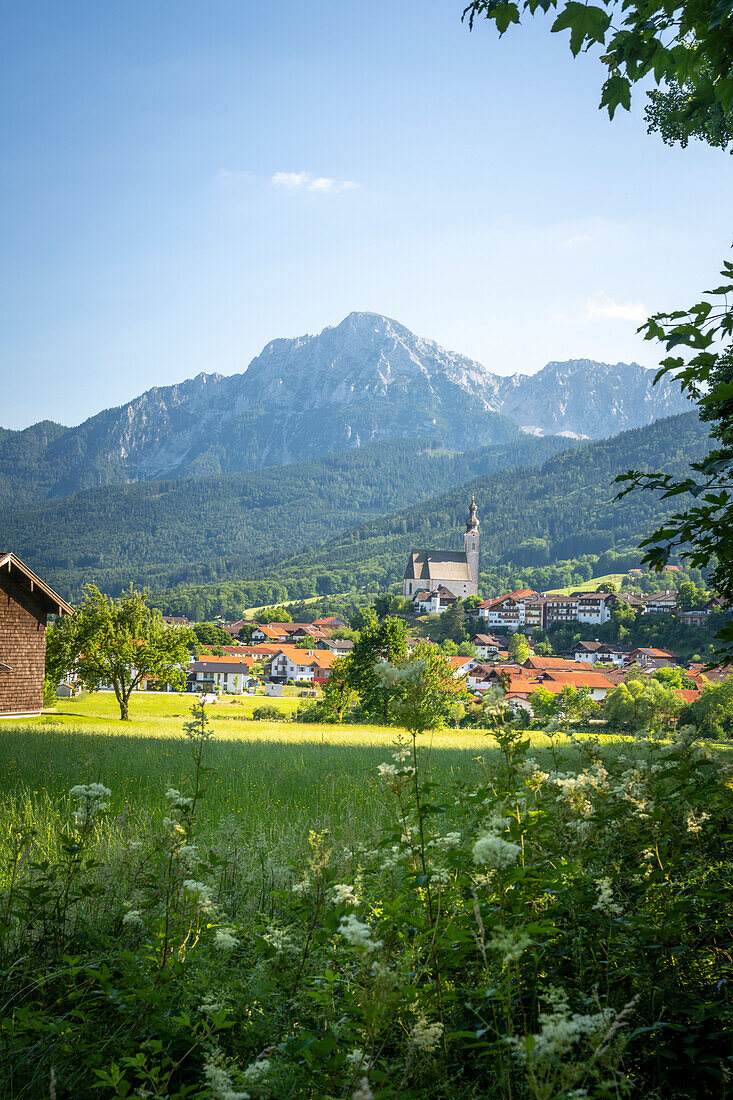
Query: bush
{"points": [[311, 711], [267, 713]]}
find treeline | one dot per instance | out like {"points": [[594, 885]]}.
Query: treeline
{"points": [[567, 504], [194, 532]]}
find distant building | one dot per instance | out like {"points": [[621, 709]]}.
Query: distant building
{"points": [[429, 570], [25, 604]]}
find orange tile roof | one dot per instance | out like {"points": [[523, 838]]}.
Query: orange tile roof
{"points": [[581, 679]]}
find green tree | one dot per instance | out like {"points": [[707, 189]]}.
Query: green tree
{"points": [[453, 623], [378, 642], [641, 705], [712, 711], [120, 642], [211, 634], [687, 596], [674, 678], [338, 692], [543, 703], [274, 615], [245, 633], [519, 648]]}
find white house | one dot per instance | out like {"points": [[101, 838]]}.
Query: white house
{"points": [[234, 678], [507, 612]]}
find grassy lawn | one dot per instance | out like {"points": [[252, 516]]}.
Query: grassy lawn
{"points": [[591, 585]]}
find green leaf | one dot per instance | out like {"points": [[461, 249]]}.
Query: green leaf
{"points": [[616, 93], [585, 23]]}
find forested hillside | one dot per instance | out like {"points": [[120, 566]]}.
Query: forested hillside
{"points": [[530, 518], [169, 532]]}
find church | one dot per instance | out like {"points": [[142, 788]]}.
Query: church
{"points": [[429, 570]]}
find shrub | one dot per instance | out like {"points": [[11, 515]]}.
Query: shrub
{"points": [[267, 713]]}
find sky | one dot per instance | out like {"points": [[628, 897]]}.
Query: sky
{"points": [[181, 182]]}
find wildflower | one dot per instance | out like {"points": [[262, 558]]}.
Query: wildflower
{"points": [[440, 876], [445, 843], [177, 800], [344, 894], [388, 771], [426, 1035], [560, 1029], [201, 892], [90, 797], [257, 1071], [606, 902], [509, 944], [133, 918], [695, 823], [363, 1091], [356, 1057], [188, 853], [219, 1079], [225, 940], [300, 888], [495, 851], [281, 940], [357, 933]]}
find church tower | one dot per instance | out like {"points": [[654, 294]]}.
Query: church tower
{"points": [[471, 545]]}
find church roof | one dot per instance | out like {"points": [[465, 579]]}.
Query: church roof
{"points": [[437, 565]]}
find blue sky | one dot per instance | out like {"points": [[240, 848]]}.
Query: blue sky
{"points": [[182, 182]]}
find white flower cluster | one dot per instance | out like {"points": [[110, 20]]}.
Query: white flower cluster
{"points": [[696, 822], [363, 1091], [300, 888], [219, 1079], [201, 892], [560, 1029], [357, 933], [91, 798], [426, 1035], [133, 918], [256, 1073], [401, 770], [509, 943], [344, 894], [579, 789], [177, 800], [534, 776], [447, 842], [606, 902], [282, 940], [225, 940], [492, 849]]}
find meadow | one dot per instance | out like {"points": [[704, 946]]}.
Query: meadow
{"points": [[229, 909]]}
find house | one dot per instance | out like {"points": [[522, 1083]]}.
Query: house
{"points": [[433, 603], [508, 612], [340, 646], [650, 658], [291, 663], [331, 622], [285, 632], [232, 677], [596, 652], [25, 604], [661, 603], [597, 684], [560, 609], [694, 618], [594, 607], [457, 572], [490, 645], [176, 620], [461, 665], [538, 664], [234, 627]]}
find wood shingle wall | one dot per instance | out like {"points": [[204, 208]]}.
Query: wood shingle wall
{"points": [[22, 647]]}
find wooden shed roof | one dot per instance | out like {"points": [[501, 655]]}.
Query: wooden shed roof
{"points": [[20, 572]]}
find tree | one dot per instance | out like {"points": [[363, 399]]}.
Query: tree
{"points": [[377, 643], [453, 623], [338, 693], [638, 705], [712, 711], [120, 642], [211, 634], [245, 633], [274, 615], [686, 47], [423, 691], [519, 648], [674, 678]]}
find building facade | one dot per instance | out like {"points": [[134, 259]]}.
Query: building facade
{"points": [[429, 570]]}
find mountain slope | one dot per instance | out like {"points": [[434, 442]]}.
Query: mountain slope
{"points": [[367, 379], [165, 532], [562, 509]]}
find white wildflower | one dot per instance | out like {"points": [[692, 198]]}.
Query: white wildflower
{"points": [[219, 1079], [357, 933], [281, 940], [91, 801], [695, 823], [445, 843], [388, 771], [201, 892], [225, 940], [300, 888], [426, 1035], [363, 1091], [356, 1056], [494, 851], [133, 918], [606, 903], [344, 894], [509, 944], [256, 1073], [560, 1029], [440, 876]]}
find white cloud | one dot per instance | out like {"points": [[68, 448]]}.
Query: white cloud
{"points": [[573, 242], [305, 181], [600, 305]]}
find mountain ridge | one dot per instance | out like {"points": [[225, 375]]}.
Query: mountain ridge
{"points": [[366, 379]]}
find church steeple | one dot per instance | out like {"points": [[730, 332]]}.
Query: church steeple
{"points": [[472, 521], [471, 544]]}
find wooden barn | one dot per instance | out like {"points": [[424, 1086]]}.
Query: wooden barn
{"points": [[25, 604]]}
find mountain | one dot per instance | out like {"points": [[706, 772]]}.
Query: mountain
{"points": [[530, 517], [161, 533], [365, 380]]}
